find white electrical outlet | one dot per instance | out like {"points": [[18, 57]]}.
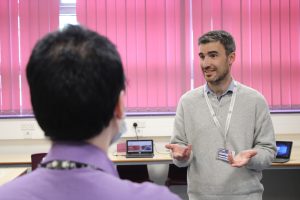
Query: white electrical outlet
{"points": [[27, 127], [141, 124], [27, 130], [139, 132], [27, 135]]}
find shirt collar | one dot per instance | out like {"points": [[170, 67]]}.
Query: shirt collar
{"points": [[229, 89], [81, 152]]}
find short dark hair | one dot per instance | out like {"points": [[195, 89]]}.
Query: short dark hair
{"points": [[221, 36], [75, 78]]}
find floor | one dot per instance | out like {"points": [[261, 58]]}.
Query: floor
{"points": [[180, 191]]}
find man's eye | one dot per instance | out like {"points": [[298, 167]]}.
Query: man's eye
{"points": [[213, 55], [201, 57]]}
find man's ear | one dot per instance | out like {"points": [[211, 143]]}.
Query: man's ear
{"points": [[231, 58], [120, 108]]}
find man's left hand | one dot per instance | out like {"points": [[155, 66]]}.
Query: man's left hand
{"points": [[242, 158]]}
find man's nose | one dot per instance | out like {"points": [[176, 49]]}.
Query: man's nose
{"points": [[205, 62]]}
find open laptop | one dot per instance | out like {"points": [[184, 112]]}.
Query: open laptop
{"points": [[284, 149], [139, 149]]}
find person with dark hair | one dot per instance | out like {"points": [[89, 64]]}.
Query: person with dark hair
{"points": [[223, 130], [77, 84]]}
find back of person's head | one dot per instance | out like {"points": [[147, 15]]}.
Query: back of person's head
{"points": [[75, 78], [221, 36]]}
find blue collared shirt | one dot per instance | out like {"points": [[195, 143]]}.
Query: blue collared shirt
{"points": [[229, 90]]}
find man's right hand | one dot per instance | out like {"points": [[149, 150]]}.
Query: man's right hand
{"points": [[179, 152]]}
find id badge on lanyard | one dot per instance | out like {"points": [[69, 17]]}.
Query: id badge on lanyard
{"points": [[223, 153]]}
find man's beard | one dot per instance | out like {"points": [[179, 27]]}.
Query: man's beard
{"points": [[219, 78]]}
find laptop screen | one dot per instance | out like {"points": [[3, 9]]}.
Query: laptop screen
{"points": [[139, 146], [283, 149]]}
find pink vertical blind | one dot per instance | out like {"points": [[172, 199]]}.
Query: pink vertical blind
{"points": [[9, 99], [153, 38], [268, 44], [22, 24]]}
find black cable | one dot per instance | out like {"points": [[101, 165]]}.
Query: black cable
{"points": [[135, 127]]}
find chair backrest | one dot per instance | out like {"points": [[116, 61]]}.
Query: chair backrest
{"points": [[36, 159], [176, 175], [135, 173]]}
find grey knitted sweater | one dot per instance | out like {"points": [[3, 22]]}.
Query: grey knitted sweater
{"points": [[250, 127]]}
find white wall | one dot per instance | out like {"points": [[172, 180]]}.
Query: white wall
{"points": [[149, 126]]}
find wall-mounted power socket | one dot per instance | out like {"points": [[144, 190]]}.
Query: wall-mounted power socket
{"points": [[137, 127], [27, 130], [139, 131], [27, 135], [27, 127], [140, 124]]}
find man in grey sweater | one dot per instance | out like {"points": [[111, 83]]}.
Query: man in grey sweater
{"points": [[223, 130]]}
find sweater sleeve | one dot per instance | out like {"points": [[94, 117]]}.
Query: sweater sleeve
{"points": [[179, 134], [264, 138]]}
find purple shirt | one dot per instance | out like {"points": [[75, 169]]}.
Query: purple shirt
{"points": [[79, 184]]}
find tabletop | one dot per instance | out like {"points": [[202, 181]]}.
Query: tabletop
{"points": [[159, 158], [9, 173]]}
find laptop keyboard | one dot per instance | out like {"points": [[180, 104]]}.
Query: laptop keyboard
{"points": [[280, 160], [139, 155]]}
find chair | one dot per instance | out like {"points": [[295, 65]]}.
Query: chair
{"points": [[135, 173], [36, 159], [176, 175]]}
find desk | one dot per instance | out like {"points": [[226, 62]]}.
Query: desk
{"points": [[21, 160], [8, 174], [24, 160], [166, 159], [295, 154], [162, 158]]}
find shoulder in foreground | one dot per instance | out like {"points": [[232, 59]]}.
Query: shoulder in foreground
{"points": [[114, 188]]}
